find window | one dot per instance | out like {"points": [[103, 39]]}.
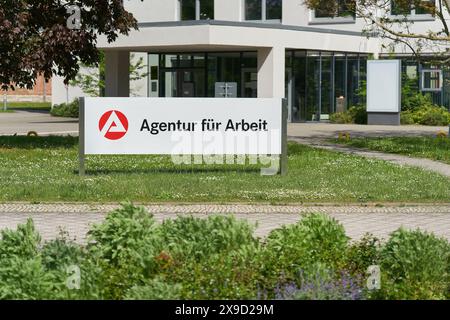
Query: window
{"points": [[196, 9], [413, 8], [263, 10], [341, 10], [432, 80]]}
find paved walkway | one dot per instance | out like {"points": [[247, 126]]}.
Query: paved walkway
{"points": [[329, 130], [357, 220], [21, 122], [427, 164]]}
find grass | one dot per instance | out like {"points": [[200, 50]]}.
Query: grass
{"points": [[44, 169], [43, 106], [6, 111], [421, 147]]}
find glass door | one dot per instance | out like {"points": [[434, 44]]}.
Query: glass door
{"points": [[184, 83], [249, 83]]}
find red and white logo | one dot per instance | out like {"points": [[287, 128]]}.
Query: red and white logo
{"points": [[113, 125]]}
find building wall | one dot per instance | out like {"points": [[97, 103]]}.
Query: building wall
{"points": [[295, 13], [298, 30], [40, 92]]}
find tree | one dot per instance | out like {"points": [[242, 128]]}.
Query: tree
{"points": [[92, 80], [35, 37], [395, 25]]}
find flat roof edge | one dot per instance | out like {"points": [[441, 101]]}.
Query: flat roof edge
{"points": [[278, 26]]}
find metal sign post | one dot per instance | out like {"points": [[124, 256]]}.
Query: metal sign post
{"points": [[284, 142], [5, 102], [82, 156]]}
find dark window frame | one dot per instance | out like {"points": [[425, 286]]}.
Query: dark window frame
{"points": [[197, 7], [263, 11]]}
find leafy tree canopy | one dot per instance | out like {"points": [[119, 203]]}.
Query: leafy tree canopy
{"points": [[35, 37], [391, 21]]}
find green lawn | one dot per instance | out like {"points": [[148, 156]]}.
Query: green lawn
{"points": [[45, 106], [45, 170], [422, 147]]}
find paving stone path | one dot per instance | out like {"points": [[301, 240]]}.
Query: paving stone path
{"points": [[426, 164], [357, 220]]}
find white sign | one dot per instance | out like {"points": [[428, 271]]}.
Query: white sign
{"points": [[177, 126], [384, 86]]}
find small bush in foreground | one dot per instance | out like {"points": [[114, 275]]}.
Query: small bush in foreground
{"points": [[316, 241], [415, 266]]}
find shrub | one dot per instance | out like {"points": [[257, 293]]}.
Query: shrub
{"points": [[124, 246], [355, 114], [60, 253], [341, 118], [362, 254], [415, 266], [22, 275], [212, 258], [195, 238], [299, 248], [129, 256], [228, 275], [412, 98], [406, 118], [416, 101], [359, 114], [429, 115], [70, 110], [155, 289]]}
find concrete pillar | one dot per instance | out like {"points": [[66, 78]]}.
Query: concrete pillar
{"points": [[271, 72], [117, 74]]}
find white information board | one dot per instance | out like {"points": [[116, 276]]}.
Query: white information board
{"points": [[384, 86], [168, 126]]}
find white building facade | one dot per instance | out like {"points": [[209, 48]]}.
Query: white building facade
{"points": [[249, 48]]}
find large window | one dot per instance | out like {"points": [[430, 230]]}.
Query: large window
{"points": [[263, 10], [342, 9], [414, 8], [196, 9], [199, 74], [323, 83]]}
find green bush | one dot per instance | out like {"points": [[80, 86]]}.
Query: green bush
{"points": [[415, 265], [429, 115], [316, 239], [70, 110], [211, 258], [60, 253], [22, 274], [228, 275], [406, 118], [362, 254], [124, 247], [359, 114], [355, 114], [130, 256], [416, 101], [194, 238], [341, 118], [155, 289], [412, 98]]}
